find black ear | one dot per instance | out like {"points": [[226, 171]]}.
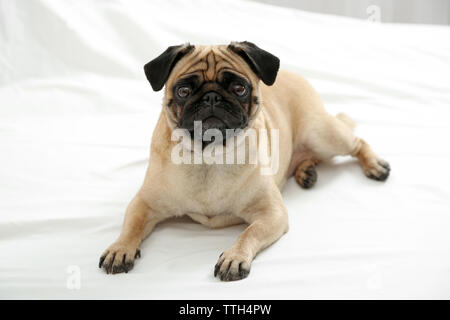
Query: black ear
{"points": [[158, 70], [264, 64]]}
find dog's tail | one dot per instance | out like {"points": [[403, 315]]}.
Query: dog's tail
{"points": [[347, 120]]}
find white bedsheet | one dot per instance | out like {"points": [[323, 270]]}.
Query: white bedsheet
{"points": [[77, 114]]}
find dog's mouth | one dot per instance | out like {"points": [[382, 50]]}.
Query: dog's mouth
{"points": [[213, 124], [211, 129]]}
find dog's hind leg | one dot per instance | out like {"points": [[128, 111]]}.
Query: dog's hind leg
{"points": [[305, 173], [335, 137]]}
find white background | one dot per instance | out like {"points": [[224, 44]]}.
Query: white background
{"points": [[77, 115]]}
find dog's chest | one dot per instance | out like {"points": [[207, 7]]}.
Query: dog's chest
{"points": [[209, 190]]}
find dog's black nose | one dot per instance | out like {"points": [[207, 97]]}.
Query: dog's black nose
{"points": [[212, 98]]}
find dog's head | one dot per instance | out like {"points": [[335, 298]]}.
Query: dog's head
{"points": [[217, 85]]}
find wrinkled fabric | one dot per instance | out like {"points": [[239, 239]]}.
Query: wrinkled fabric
{"points": [[76, 119]]}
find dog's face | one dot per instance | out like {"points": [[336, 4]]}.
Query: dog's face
{"points": [[217, 85]]}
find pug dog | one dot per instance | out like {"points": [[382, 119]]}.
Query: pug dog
{"points": [[232, 87]]}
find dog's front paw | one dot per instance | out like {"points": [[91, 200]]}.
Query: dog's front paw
{"points": [[119, 257], [232, 266], [377, 170]]}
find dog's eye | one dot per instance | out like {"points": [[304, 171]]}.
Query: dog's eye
{"points": [[183, 92], [238, 89]]}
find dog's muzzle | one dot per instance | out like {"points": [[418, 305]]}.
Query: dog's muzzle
{"points": [[214, 112]]}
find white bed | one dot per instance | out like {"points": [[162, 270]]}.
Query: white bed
{"points": [[77, 114]]}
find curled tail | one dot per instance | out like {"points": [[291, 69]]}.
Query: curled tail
{"points": [[347, 120]]}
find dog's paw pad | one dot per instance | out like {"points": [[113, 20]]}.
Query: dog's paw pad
{"points": [[307, 177], [118, 258], [379, 170], [231, 268]]}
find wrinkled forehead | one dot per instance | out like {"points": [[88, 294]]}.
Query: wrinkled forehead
{"points": [[209, 63]]}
